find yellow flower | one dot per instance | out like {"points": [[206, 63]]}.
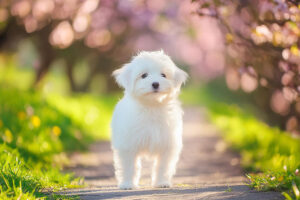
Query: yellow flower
{"points": [[56, 130], [280, 178], [8, 136], [21, 115], [1, 123], [35, 120]]}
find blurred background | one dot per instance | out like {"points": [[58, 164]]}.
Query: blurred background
{"points": [[57, 93], [87, 40]]}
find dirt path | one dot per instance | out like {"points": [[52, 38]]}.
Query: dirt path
{"points": [[206, 170]]}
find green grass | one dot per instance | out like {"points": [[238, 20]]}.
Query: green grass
{"points": [[92, 112], [37, 131], [270, 156], [22, 179]]}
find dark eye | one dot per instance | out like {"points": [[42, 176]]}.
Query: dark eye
{"points": [[144, 75], [163, 75]]}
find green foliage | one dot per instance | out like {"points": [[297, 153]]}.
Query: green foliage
{"points": [[268, 150], [229, 189], [36, 131], [262, 148], [91, 112], [292, 195], [23, 179], [36, 128]]}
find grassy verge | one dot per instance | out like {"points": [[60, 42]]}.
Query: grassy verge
{"points": [[37, 130], [270, 156]]}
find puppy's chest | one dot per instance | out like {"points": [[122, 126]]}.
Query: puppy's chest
{"points": [[156, 127], [159, 119]]}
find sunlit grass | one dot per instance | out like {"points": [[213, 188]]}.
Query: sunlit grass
{"points": [[34, 137], [22, 178], [9, 75], [92, 112], [39, 127], [270, 156]]}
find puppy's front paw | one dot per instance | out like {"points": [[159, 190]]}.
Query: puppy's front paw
{"points": [[126, 186], [162, 184]]}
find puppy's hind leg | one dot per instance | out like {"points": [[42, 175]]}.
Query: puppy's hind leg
{"points": [[127, 168], [164, 169]]}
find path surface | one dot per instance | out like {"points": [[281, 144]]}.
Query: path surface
{"points": [[206, 170]]}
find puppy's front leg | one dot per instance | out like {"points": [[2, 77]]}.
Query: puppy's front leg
{"points": [[127, 166], [164, 169]]}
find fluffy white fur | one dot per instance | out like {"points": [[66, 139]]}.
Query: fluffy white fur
{"points": [[147, 121]]}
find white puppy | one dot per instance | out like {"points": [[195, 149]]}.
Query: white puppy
{"points": [[148, 119]]}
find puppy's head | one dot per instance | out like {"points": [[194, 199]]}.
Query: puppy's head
{"points": [[151, 77]]}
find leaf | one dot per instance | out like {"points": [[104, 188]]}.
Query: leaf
{"points": [[296, 191], [287, 196]]}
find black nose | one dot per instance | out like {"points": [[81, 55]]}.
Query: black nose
{"points": [[155, 85]]}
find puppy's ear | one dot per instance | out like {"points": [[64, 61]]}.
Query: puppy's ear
{"points": [[122, 76], [180, 77]]}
